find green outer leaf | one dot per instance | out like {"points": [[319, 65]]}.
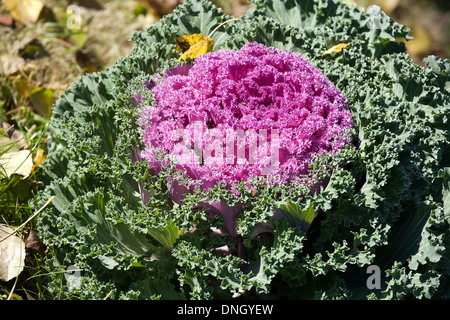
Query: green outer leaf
{"points": [[203, 17], [385, 202], [287, 244], [299, 217], [406, 236], [445, 175], [167, 235], [296, 13]]}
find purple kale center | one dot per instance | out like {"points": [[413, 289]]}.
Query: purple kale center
{"points": [[292, 108]]}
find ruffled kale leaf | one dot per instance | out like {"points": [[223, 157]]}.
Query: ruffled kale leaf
{"points": [[385, 201]]}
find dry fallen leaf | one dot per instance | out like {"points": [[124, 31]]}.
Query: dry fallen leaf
{"points": [[25, 11], [22, 87], [10, 64], [6, 20], [42, 100], [19, 162], [188, 40], [12, 254], [337, 48], [194, 45], [14, 158], [40, 156], [6, 130], [33, 244]]}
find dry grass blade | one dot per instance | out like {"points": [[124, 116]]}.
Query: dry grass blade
{"points": [[29, 219]]}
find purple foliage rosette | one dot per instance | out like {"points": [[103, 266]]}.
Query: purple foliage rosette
{"points": [[237, 114]]}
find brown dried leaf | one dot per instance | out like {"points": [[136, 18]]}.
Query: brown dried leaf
{"points": [[11, 64], [14, 157], [12, 254], [25, 11], [33, 243]]}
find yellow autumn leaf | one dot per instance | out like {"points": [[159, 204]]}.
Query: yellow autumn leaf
{"points": [[25, 11], [40, 156], [337, 48], [22, 87], [196, 44], [188, 40]]}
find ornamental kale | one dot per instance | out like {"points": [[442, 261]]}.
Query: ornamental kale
{"points": [[254, 89], [362, 176]]}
